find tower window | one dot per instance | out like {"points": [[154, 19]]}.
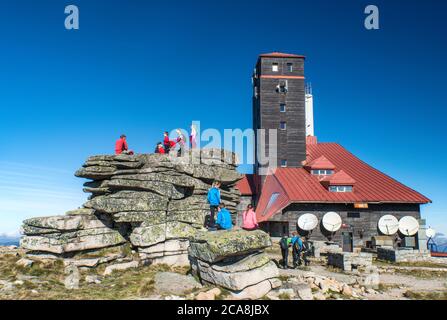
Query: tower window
{"points": [[275, 67], [283, 163], [290, 67], [282, 107], [282, 86], [283, 125]]}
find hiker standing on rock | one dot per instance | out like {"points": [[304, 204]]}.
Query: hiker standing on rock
{"points": [[192, 137], [167, 143], [249, 221], [121, 146], [213, 198], [181, 141]]}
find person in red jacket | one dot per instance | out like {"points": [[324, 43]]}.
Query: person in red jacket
{"points": [[159, 148], [167, 143], [121, 146]]}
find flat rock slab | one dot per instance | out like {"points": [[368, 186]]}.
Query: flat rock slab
{"points": [[237, 280], [175, 283], [216, 246], [120, 267]]}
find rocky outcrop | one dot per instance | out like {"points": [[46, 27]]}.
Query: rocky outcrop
{"points": [[153, 203], [150, 209], [235, 261]]}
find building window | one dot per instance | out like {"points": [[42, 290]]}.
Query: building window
{"points": [[353, 214], [322, 172], [283, 163], [340, 188], [290, 67], [282, 107], [282, 86], [275, 67], [283, 125]]}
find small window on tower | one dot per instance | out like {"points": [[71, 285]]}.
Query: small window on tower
{"points": [[283, 163], [275, 67], [283, 125], [282, 107], [290, 67]]}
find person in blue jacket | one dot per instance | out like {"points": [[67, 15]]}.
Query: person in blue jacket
{"points": [[224, 221], [297, 247], [213, 198]]}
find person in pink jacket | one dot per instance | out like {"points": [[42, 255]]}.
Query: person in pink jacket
{"points": [[249, 221]]}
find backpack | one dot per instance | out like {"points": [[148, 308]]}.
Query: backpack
{"points": [[296, 246], [307, 247], [284, 243]]}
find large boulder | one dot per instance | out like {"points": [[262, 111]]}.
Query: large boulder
{"points": [[234, 260], [237, 274], [216, 246]]}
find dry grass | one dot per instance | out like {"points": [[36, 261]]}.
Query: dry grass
{"points": [[46, 278], [423, 274], [434, 295], [425, 264]]}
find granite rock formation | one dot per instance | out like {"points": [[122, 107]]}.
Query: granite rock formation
{"points": [[150, 209], [151, 202]]}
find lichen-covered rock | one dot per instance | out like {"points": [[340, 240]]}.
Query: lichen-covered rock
{"points": [[81, 240], [234, 260], [155, 203], [216, 246], [123, 201], [239, 274], [69, 233]]}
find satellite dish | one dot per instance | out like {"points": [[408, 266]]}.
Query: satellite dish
{"points": [[408, 226], [331, 221], [307, 222], [430, 232], [388, 225]]}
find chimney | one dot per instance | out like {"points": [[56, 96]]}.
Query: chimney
{"points": [[311, 140]]}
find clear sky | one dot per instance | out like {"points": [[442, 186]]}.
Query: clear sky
{"points": [[142, 67]]}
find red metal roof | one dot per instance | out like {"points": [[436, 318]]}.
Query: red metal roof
{"points": [[321, 163], [298, 185], [280, 55], [247, 185]]}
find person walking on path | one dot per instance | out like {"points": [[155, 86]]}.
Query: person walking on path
{"points": [[284, 244], [297, 247], [214, 200], [249, 221], [121, 146], [307, 251]]}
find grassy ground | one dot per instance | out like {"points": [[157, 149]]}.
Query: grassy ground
{"points": [[45, 281], [424, 274], [410, 264], [426, 295]]}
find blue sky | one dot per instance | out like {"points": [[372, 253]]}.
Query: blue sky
{"points": [[142, 67]]}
